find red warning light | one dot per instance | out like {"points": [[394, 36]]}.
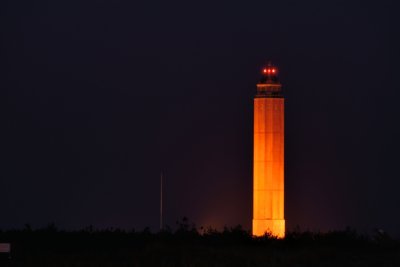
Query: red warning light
{"points": [[269, 70]]}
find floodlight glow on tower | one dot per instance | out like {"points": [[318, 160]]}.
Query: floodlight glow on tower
{"points": [[268, 161]]}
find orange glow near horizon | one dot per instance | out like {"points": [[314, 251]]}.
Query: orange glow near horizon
{"points": [[268, 170]]}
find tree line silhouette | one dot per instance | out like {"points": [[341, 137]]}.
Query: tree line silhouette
{"points": [[188, 245]]}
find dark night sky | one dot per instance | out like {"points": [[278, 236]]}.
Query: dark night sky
{"points": [[98, 96]]}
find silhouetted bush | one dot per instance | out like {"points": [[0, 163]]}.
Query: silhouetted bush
{"points": [[189, 246]]}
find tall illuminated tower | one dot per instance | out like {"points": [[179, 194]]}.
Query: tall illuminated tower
{"points": [[268, 165]]}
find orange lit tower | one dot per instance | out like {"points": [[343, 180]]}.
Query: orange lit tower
{"points": [[268, 168]]}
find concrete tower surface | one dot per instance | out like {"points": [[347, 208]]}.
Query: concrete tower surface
{"points": [[268, 164]]}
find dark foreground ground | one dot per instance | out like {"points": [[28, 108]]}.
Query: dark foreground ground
{"points": [[186, 247]]}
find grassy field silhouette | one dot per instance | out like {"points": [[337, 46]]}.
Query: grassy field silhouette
{"points": [[189, 246]]}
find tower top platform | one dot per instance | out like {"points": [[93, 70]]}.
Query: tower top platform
{"points": [[269, 85]]}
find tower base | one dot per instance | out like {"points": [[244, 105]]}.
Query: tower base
{"points": [[273, 227]]}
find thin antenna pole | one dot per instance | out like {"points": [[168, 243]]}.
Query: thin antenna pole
{"points": [[161, 201]]}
